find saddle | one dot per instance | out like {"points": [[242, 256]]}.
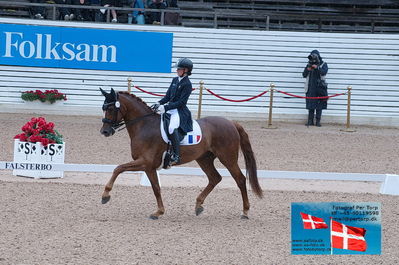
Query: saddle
{"points": [[190, 138]]}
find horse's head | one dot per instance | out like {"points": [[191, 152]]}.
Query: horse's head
{"points": [[113, 117]]}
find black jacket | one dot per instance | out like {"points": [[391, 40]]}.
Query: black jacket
{"points": [[315, 84], [177, 97]]}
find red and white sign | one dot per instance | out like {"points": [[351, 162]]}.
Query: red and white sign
{"points": [[347, 237], [313, 222]]}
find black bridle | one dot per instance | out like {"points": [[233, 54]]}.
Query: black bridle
{"points": [[115, 124]]}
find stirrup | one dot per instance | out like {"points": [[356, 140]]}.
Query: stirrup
{"points": [[174, 159], [166, 160]]}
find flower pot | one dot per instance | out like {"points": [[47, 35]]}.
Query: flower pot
{"points": [[37, 104], [26, 152]]}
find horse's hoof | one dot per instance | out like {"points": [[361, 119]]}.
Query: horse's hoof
{"points": [[244, 217], [153, 217], [199, 210], [104, 200]]}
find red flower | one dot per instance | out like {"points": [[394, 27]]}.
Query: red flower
{"points": [[27, 128], [22, 137], [38, 130], [41, 123], [45, 141], [35, 138]]}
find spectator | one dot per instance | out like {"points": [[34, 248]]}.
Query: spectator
{"points": [[155, 17], [138, 16], [83, 14], [108, 3], [65, 13], [38, 12], [96, 13], [172, 18], [315, 86]]}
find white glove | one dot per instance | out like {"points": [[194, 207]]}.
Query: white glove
{"points": [[161, 109]]}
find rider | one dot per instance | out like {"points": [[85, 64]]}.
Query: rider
{"points": [[177, 95]]}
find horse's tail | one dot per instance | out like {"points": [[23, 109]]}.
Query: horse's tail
{"points": [[250, 162]]}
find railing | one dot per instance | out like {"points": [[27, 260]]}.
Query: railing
{"points": [[214, 14], [215, 18]]}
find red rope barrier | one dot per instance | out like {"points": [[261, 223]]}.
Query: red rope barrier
{"points": [[296, 96], [154, 94], [239, 100]]}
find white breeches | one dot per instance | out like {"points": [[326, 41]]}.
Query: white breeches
{"points": [[174, 120]]}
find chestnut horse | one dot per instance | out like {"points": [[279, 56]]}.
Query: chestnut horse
{"points": [[221, 139]]}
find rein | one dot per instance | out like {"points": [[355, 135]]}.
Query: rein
{"points": [[114, 124]]}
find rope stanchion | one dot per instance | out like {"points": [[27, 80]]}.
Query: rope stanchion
{"points": [[129, 84], [348, 113], [233, 100], [201, 88], [269, 122]]}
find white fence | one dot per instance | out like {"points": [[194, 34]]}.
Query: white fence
{"points": [[236, 64], [389, 183]]}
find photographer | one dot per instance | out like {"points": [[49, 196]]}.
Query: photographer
{"points": [[315, 86]]}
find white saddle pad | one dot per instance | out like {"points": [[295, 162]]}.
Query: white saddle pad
{"points": [[191, 138]]}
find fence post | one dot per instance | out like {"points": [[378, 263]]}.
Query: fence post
{"points": [[200, 99], [129, 84], [162, 17], [348, 113], [54, 13], [269, 123]]}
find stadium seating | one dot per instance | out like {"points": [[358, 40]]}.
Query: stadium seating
{"points": [[7, 10], [379, 16]]}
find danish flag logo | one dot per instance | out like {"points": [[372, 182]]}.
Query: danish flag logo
{"points": [[313, 222], [347, 237]]}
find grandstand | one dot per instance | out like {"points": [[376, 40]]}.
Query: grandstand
{"points": [[12, 10], [379, 16]]}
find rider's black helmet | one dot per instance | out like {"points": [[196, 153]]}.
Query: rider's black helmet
{"points": [[185, 63]]}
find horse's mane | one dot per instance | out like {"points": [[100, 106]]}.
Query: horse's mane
{"points": [[136, 98]]}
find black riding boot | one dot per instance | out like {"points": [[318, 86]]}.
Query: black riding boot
{"points": [[310, 118], [175, 157], [318, 117]]}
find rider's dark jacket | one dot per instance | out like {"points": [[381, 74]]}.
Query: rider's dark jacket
{"points": [[177, 97]]}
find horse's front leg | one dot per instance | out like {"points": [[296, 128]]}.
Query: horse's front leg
{"points": [[153, 177], [136, 165]]}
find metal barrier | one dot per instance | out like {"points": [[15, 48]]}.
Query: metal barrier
{"points": [[214, 14]]}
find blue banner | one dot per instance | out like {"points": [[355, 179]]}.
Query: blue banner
{"points": [[96, 49]]}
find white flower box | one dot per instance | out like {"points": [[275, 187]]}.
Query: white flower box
{"points": [[38, 105], [25, 152]]}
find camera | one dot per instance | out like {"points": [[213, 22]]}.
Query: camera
{"points": [[313, 59]]}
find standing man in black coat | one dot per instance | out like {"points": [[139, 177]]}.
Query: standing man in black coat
{"points": [[315, 86], [177, 96]]}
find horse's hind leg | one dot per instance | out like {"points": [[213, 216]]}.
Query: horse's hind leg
{"points": [[206, 164], [152, 176], [240, 179]]}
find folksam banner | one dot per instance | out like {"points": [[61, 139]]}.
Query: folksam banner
{"points": [[79, 48]]}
